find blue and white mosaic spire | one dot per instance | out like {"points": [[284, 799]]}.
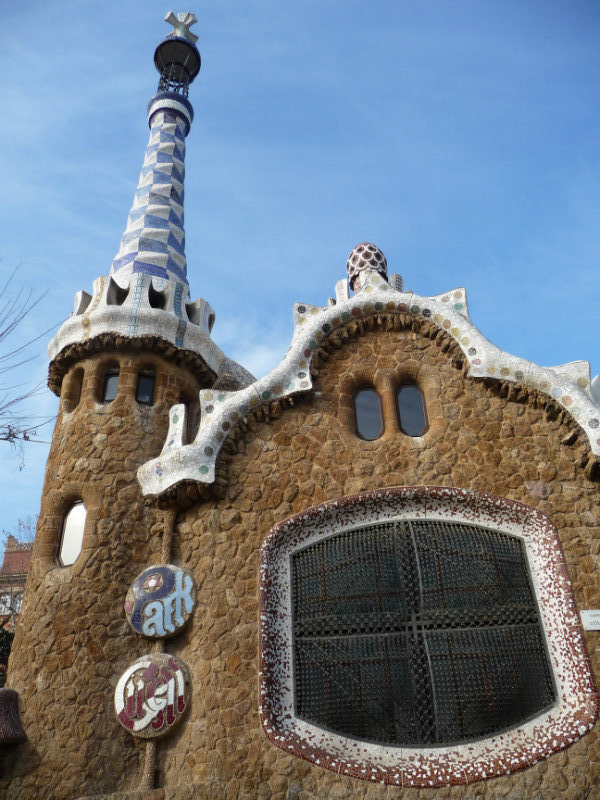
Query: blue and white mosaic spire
{"points": [[147, 293], [154, 239]]}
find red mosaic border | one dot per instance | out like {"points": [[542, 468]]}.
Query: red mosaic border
{"points": [[571, 717]]}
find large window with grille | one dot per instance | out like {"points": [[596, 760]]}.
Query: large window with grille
{"points": [[419, 636], [417, 633]]}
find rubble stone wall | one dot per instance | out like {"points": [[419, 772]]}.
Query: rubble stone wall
{"points": [[74, 641], [311, 454]]}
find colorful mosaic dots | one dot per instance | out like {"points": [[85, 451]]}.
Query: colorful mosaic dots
{"points": [[556, 392], [519, 374], [454, 331], [582, 382], [312, 345], [415, 309], [368, 289], [326, 327], [445, 298], [504, 371], [457, 295], [345, 316], [225, 425], [335, 322], [278, 389], [356, 312], [390, 306], [476, 361], [446, 323], [426, 312], [208, 395], [307, 353], [220, 398], [318, 336], [301, 375], [378, 306], [203, 469], [265, 395], [402, 307], [302, 364], [220, 437], [315, 310], [301, 309], [368, 308], [458, 306], [465, 340], [210, 409], [175, 418], [208, 451], [567, 401], [593, 423]]}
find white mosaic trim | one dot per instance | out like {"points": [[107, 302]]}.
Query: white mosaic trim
{"points": [[96, 314], [568, 384], [571, 717]]}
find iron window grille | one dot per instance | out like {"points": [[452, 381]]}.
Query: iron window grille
{"points": [[417, 632]]}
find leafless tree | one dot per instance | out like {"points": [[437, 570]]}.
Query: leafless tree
{"points": [[17, 424]]}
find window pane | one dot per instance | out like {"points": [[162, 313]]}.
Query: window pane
{"points": [[418, 633], [145, 388], [367, 411], [110, 386], [411, 410], [72, 534]]}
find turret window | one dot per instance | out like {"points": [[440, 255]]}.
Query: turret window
{"points": [[110, 385], [367, 414], [71, 539], [144, 392], [411, 410]]}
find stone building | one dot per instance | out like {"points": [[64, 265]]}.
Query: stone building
{"points": [[360, 576]]}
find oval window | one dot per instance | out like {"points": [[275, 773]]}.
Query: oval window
{"points": [[411, 410], [367, 413], [71, 539]]}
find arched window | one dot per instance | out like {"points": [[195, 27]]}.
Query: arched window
{"points": [[144, 392], [367, 414], [110, 384], [411, 410], [71, 539]]}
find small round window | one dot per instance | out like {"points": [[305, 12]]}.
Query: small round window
{"points": [[367, 413], [71, 539]]}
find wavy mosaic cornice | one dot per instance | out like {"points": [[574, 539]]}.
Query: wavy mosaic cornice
{"points": [[568, 385]]}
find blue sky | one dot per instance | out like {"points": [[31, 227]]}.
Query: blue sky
{"points": [[460, 137]]}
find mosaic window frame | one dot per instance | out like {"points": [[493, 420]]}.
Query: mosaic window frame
{"points": [[568, 719]]}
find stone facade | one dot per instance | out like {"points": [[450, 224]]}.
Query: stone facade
{"points": [[198, 480], [68, 659]]}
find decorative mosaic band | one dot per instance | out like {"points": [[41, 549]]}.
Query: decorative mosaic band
{"points": [[568, 385], [571, 717]]}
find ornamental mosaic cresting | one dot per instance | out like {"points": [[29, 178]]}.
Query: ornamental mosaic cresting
{"points": [[569, 384], [570, 717]]}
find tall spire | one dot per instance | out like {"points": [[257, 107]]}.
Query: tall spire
{"points": [[154, 238], [146, 297]]}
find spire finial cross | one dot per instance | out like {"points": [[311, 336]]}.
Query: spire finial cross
{"points": [[182, 22]]}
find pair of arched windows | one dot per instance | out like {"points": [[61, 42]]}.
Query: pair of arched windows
{"points": [[410, 407], [144, 393]]}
